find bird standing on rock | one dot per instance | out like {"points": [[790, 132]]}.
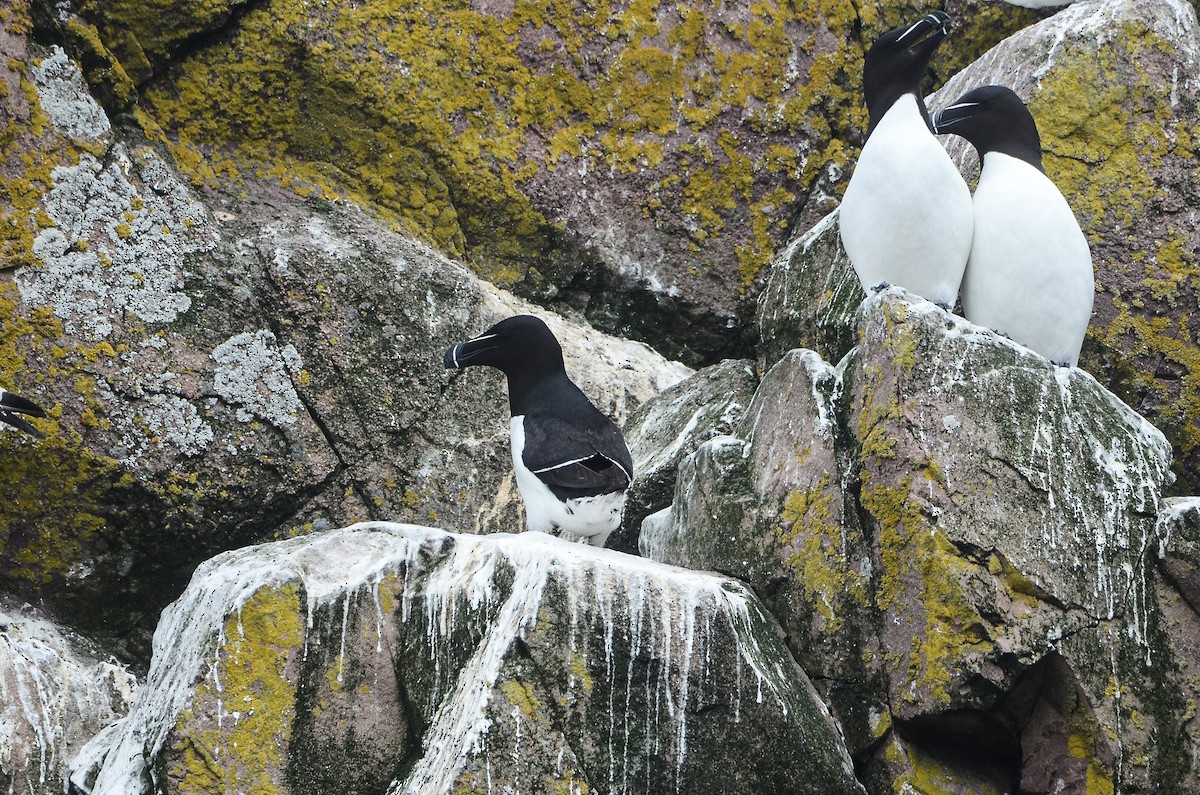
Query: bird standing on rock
{"points": [[906, 215], [14, 409], [572, 464], [1030, 273]]}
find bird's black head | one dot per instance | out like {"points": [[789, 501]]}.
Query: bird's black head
{"points": [[898, 60], [993, 119], [520, 346]]}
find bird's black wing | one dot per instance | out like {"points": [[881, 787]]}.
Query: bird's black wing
{"points": [[577, 459]]}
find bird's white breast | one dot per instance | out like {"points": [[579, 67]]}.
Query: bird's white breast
{"points": [[906, 216], [1030, 271]]}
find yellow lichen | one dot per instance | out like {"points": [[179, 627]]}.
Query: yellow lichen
{"points": [[1108, 128], [815, 550], [579, 672], [920, 577], [920, 772], [521, 696], [253, 692], [566, 784], [436, 117]]}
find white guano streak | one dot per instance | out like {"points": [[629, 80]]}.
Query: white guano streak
{"points": [[445, 577]]}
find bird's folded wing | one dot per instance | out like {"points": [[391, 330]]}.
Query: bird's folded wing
{"points": [[15, 403], [597, 473], [567, 455]]}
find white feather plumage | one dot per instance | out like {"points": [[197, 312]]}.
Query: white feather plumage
{"points": [[1030, 271], [906, 217]]}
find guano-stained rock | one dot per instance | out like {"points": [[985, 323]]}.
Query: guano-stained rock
{"points": [[220, 367], [768, 504], [1114, 86], [955, 532], [668, 427], [1177, 597], [419, 661], [810, 299], [54, 695]]}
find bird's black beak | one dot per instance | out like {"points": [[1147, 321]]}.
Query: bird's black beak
{"points": [[932, 28], [13, 409], [461, 354], [11, 402], [945, 119]]}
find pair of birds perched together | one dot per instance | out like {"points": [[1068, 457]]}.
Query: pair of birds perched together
{"points": [[908, 217]]}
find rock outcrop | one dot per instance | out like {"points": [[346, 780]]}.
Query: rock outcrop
{"points": [[955, 535], [1113, 86], [397, 658], [640, 163], [665, 430], [54, 696], [232, 259]]}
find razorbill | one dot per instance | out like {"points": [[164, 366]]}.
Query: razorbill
{"points": [[571, 461], [14, 409], [906, 214], [1030, 274]]}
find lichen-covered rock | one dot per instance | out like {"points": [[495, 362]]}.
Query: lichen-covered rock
{"points": [[1013, 504], [1002, 451], [954, 531], [811, 297], [1114, 86], [1179, 546], [54, 696], [641, 161], [668, 427], [1177, 596], [767, 504], [223, 370], [403, 659]]}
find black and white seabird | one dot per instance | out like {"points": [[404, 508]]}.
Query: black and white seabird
{"points": [[906, 214], [14, 409], [571, 461], [1030, 271]]}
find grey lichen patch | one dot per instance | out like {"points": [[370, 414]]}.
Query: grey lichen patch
{"points": [[255, 373], [114, 247], [160, 417], [66, 102], [178, 421]]}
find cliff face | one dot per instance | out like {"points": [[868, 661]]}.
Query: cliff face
{"points": [[640, 162], [237, 238]]}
